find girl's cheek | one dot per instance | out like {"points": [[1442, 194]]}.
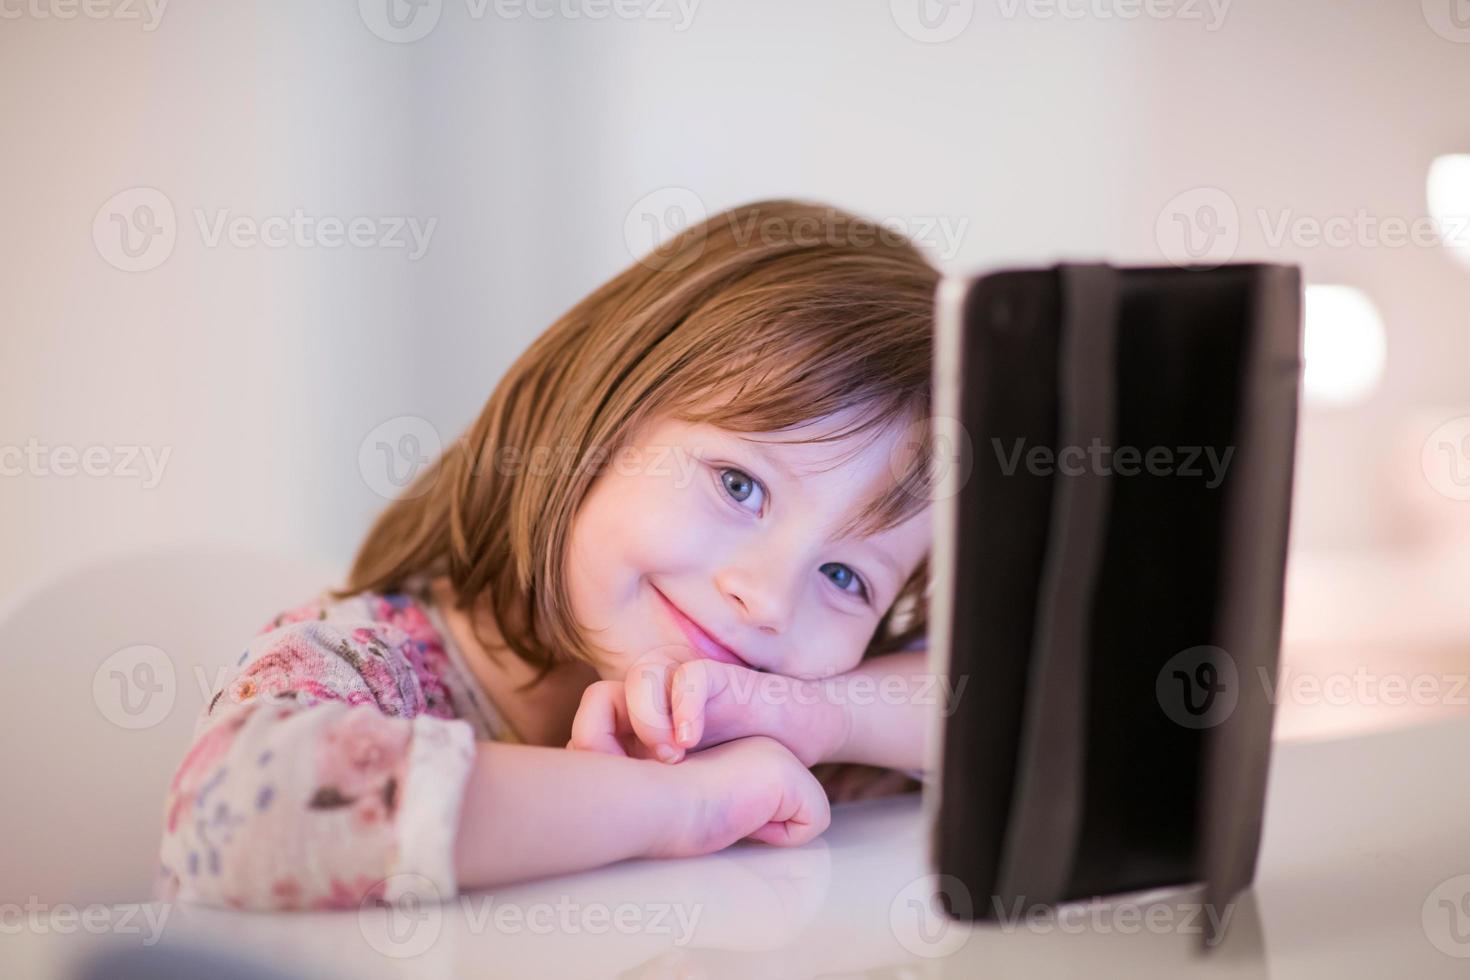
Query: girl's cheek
{"points": [[676, 526]]}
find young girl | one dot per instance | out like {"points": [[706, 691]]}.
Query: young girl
{"points": [[686, 539]]}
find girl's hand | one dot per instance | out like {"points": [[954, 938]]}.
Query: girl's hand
{"points": [[748, 789], [665, 707]]}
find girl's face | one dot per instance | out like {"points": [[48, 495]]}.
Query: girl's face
{"points": [[695, 523]]}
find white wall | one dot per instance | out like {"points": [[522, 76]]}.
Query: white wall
{"points": [[251, 367], [529, 141]]}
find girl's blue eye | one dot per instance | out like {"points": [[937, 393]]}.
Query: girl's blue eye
{"points": [[739, 486], [851, 577]]}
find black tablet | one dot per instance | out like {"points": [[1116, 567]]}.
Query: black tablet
{"points": [[1109, 565]]}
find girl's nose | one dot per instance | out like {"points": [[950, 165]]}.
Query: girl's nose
{"points": [[764, 604]]}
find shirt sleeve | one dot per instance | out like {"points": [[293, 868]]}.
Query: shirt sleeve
{"points": [[315, 779]]}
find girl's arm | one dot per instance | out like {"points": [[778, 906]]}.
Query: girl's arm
{"points": [[887, 703], [533, 810]]}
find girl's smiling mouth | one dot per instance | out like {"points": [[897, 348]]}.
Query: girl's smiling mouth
{"points": [[699, 638]]}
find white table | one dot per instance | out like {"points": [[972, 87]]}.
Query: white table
{"points": [[1365, 843]]}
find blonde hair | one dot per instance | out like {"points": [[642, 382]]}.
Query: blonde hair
{"points": [[799, 324]]}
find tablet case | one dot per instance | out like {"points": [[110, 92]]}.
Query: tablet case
{"points": [[1117, 615]]}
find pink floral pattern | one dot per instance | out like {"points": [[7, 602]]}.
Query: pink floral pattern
{"points": [[288, 797]]}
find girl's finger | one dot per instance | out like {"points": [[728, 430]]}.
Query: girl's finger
{"points": [[688, 692], [647, 686], [600, 718], [694, 685]]}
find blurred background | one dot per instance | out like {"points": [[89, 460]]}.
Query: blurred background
{"points": [[262, 259]]}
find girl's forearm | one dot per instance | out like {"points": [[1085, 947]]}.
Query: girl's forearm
{"points": [[889, 701], [530, 810]]}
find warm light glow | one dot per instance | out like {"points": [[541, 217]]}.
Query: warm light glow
{"points": [[1448, 192], [1344, 345]]}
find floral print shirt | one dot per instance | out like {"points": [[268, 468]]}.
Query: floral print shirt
{"points": [[329, 765]]}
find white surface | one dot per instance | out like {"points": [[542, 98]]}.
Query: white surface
{"points": [[1359, 835]]}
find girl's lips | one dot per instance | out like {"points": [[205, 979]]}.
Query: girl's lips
{"points": [[699, 639]]}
